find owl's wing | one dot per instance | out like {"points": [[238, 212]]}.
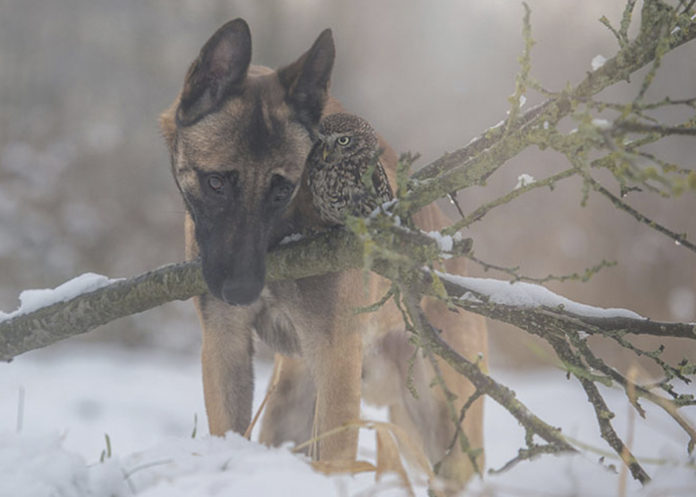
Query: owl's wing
{"points": [[381, 183]]}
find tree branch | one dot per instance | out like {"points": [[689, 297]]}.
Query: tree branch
{"points": [[474, 163], [85, 312], [328, 252], [500, 393]]}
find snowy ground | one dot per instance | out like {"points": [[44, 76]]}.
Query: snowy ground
{"points": [[57, 404]]}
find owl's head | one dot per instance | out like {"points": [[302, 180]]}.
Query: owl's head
{"points": [[343, 134]]}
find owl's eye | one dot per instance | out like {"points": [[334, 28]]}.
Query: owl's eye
{"points": [[343, 140]]}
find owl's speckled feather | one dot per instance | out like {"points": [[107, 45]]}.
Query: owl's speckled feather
{"points": [[344, 175]]}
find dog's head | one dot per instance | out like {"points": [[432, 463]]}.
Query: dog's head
{"points": [[239, 136]]}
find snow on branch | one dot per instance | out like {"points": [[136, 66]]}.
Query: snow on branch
{"points": [[90, 301], [515, 297]]}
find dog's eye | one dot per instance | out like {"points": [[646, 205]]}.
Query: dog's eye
{"points": [[343, 140], [281, 190], [221, 182], [216, 182]]}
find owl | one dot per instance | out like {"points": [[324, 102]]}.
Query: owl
{"points": [[344, 174]]}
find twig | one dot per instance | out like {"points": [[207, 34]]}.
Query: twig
{"points": [[626, 20], [474, 163], [656, 20], [462, 414], [453, 198], [679, 239], [630, 429], [481, 381], [377, 305], [637, 127], [522, 78], [513, 271], [687, 7], [525, 454], [481, 211], [633, 391], [471, 452], [269, 391], [602, 412]]}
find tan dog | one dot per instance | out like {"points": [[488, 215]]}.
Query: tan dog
{"points": [[238, 137]]}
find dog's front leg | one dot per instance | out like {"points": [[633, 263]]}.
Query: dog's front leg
{"points": [[336, 369], [228, 375]]}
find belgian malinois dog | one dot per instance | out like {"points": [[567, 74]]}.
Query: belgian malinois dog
{"points": [[238, 136]]}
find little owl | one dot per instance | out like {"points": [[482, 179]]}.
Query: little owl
{"points": [[344, 174]]}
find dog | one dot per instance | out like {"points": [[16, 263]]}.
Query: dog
{"points": [[238, 136]]}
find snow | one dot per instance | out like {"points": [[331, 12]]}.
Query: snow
{"points": [[597, 62], [46, 469], [388, 204], [31, 300], [602, 124], [444, 242], [530, 295], [293, 237], [495, 126], [146, 401], [524, 180], [229, 466], [475, 138], [385, 207]]}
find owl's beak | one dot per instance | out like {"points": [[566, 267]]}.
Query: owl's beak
{"points": [[324, 152]]}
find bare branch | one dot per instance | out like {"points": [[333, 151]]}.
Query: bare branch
{"points": [[481, 211], [474, 163], [500, 393], [636, 127], [602, 412], [679, 239]]}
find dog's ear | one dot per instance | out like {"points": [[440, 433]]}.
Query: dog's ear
{"points": [[218, 72], [306, 80]]}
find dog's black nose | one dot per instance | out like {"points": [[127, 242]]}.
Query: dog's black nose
{"points": [[241, 291]]}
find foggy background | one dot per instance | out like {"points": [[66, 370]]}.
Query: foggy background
{"points": [[84, 175]]}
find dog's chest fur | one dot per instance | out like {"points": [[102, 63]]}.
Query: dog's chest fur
{"points": [[287, 309]]}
